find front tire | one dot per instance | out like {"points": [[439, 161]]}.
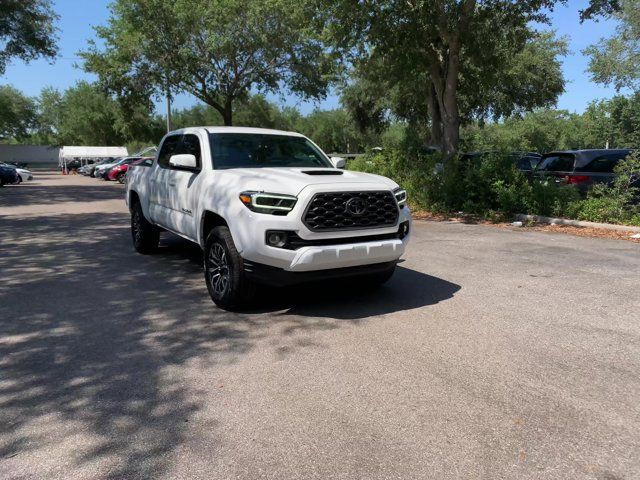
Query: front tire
{"points": [[19, 180], [121, 177], [224, 271], [144, 234]]}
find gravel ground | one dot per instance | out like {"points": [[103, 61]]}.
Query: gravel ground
{"points": [[493, 353]]}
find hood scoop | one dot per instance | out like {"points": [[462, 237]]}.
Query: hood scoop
{"points": [[323, 172]]}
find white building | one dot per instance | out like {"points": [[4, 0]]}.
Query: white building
{"points": [[38, 156]]}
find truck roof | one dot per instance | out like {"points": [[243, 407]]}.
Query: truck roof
{"points": [[249, 130]]}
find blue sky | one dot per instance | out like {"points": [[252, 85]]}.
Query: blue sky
{"points": [[78, 16]]}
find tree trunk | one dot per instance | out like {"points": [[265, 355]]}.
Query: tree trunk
{"points": [[450, 121], [445, 73], [445, 89], [227, 113], [435, 116]]}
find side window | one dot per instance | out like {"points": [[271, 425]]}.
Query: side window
{"points": [[169, 148], [191, 146], [524, 164], [602, 164]]}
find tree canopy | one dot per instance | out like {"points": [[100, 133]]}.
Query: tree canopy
{"points": [[217, 50], [616, 60], [455, 55], [27, 30], [18, 114]]}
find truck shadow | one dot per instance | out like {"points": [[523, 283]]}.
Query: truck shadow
{"points": [[341, 299], [346, 300]]}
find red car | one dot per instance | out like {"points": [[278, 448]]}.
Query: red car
{"points": [[119, 172]]}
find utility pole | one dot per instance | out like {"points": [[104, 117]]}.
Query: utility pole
{"points": [[169, 126]]}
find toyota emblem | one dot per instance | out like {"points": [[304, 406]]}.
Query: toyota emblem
{"points": [[356, 206]]}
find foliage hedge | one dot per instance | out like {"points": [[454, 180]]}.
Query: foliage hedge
{"points": [[494, 188]]}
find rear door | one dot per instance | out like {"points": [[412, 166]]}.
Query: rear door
{"points": [[600, 169]]}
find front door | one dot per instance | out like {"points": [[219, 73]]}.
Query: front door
{"points": [[184, 187], [160, 182]]}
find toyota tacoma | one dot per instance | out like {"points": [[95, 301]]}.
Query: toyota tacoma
{"points": [[267, 207]]}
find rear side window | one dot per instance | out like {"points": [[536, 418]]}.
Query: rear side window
{"points": [[557, 163], [527, 163], [603, 163], [169, 148]]}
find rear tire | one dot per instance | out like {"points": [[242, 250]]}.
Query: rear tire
{"points": [[19, 180], [144, 234], [121, 177], [224, 274]]}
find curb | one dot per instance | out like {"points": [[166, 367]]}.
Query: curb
{"points": [[576, 223]]}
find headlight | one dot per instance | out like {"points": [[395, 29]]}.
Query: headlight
{"points": [[269, 203], [401, 196]]}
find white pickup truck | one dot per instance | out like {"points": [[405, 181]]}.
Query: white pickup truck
{"points": [[267, 206]]}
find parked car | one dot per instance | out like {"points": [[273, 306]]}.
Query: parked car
{"points": [[123, 161], [19, 164], [524, 161], [119, 172], [267, 207], [582, 168], [23, 173], [84, 170], [101, 169], [8, 175], [74, 164], [90, 170]]}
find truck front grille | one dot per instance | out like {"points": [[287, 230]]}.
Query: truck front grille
{"points": [[351, 210]]}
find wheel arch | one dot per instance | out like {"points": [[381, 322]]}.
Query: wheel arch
{"points": [[133, 199], [208, 222]]}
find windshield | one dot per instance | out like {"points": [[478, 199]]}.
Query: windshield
{"points": [[245, 150]]}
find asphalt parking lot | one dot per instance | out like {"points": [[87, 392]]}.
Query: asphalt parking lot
{"points": [[493, 353]]}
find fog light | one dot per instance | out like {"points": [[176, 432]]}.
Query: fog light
{"points": [[276, 239], [403, 231]]}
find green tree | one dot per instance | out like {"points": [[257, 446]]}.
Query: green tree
{"points": [[616, 60], [598, 8], [252, 111], [27, 30], [85, 115], [457, 55], [49, 116], [18, 115], [332, 130], [218, 51]]}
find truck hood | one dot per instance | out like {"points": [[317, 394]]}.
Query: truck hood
{"points": [[291, 181]]}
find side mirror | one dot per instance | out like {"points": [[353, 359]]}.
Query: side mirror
{"points": [[338, 162], [184, 161]]}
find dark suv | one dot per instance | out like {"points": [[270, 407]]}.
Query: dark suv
{"points": [[8, 175], [582, 168], [523, 161]]}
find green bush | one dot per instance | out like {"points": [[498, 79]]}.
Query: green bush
{"points": [[493, 187], [616, 203]]}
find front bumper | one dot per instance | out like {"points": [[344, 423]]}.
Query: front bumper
{"points": [[349, 255], [342, 249]]}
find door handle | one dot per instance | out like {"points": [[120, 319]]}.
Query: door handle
{"points": [[172, 184]]}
